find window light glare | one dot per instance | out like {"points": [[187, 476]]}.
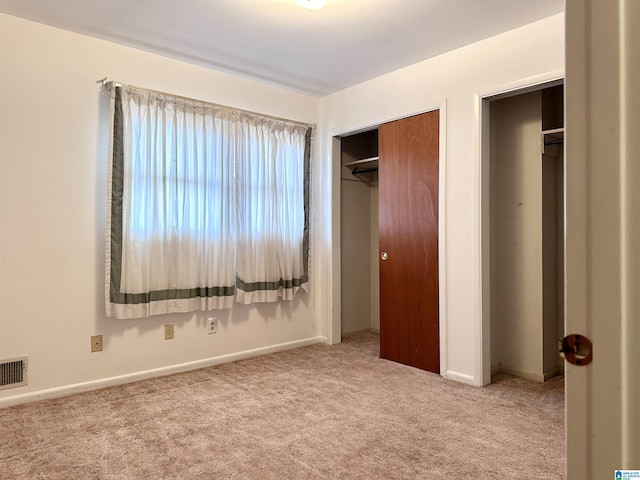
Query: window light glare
{"points": [[311, 4]]}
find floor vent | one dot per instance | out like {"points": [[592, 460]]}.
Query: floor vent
{"points": [[13, 372]]}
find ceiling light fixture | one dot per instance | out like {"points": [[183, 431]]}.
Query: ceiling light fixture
{"points": [[311, 4]]}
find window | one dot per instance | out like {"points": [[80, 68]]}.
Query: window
{"points": [[207, 206]]}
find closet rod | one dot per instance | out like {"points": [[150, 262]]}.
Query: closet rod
{"points": [[365, 170]]}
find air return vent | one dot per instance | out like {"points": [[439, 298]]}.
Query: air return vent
{"points": [[13, 372]]}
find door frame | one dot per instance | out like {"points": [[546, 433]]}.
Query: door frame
{"points": [[334, 330], [482, 330]]}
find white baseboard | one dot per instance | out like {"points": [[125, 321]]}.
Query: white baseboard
{"points": [[552, 372], [153, 373], [355, 332], [537, 377], [459, 377], [548, 374]]}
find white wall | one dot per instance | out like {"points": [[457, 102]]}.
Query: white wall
{"points": [[516, 260], [53, 144], [360, 290], [527, 55], [375, 260], [356, 255], [552, 256]]}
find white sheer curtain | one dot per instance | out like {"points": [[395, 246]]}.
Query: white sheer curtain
{"points": [[195, 189], [271, 211]]}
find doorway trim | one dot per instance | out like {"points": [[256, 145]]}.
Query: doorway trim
{"points": [[482, 297], [334, 330]]}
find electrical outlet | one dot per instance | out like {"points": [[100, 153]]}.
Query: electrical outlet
{"points": [[168, 331], [96, 343], [212, 326]]}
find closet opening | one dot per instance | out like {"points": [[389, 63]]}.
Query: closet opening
{"points": [[523, 187], [360, 301]]}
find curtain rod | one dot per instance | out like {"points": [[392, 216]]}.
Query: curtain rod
{"points": [[109, 84]]}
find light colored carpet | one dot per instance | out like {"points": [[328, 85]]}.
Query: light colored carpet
{"points": [[318, 412]]}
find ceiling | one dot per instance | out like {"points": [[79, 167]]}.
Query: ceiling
{"points": [[275, 41]]}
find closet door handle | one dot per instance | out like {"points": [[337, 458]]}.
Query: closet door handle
{"points": [[384, 255]]}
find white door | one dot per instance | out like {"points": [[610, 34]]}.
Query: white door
{"points": [[603, 235]]}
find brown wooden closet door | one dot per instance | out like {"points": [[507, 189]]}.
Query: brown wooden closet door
{"points": [[408, 216]]}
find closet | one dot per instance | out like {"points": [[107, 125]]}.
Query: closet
{"points": [[359, 232], [526, 232], [389, 225]]}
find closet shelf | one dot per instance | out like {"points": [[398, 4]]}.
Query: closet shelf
{"points": [[553, 137], [366, 165]]}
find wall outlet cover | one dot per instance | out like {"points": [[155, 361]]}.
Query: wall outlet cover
{"points": [[169, 331], [212, 325], [96, 343]]}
